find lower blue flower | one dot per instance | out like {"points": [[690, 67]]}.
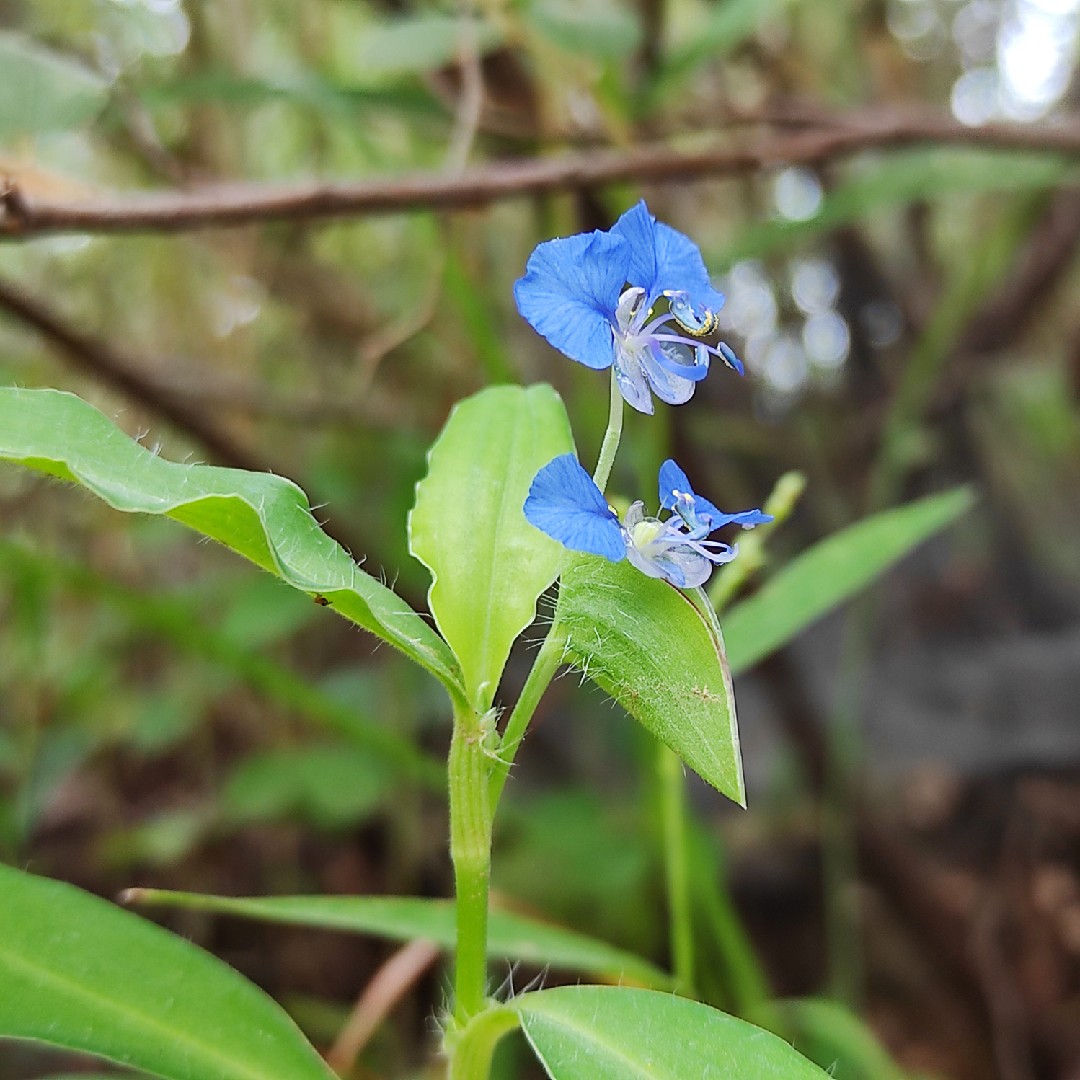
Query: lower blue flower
{"points": [[565, 503]]}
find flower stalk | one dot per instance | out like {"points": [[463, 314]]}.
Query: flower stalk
{"points": [[612, 435]]}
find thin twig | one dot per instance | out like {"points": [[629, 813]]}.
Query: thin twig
{"points": [[391, 983], [127, 374], [22, 214], [124, 373], [471, 102]]}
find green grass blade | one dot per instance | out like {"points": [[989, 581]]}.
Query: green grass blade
{"points": [[831, 572], [404, 918], [177, 621]]}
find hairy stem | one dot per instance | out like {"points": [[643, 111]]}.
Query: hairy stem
{"points": [[470, 851], [471, 1048], [543, 671]]}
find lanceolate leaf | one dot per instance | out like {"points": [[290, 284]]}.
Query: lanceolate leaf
{"points": [[905, 177], [419, 43], [831, 572], [79, 973], [262, 517], [403, 918], [42, 90], [617, 1033], [648, 646], [488, 564]]}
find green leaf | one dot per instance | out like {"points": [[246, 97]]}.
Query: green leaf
{"points": [[81, 974], [661, 658], [488, 564], [43, 91], [263, 517], [831, 572], [616, 1033], [310, 91], [416, 44], [404, 918], [329, 786], [603, 29], [711, 38]]}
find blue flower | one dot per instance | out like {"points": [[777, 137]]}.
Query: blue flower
{"points": [[564, 502], [606, 298]]}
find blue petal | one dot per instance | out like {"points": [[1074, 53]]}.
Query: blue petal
{"points": [[564, 502], [673, 479], [680, 567], [670, 354], [747, 519], [732, 361], [668, 387], [569, 293], [633, 384], [663, 259]]}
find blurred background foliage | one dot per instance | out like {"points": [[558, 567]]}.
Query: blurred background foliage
{"points": [[909, 321]]}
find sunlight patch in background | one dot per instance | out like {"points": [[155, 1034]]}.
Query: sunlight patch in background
{"points": [[1019, 58]]}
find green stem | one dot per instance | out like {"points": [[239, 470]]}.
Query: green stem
{"points": [[680, 915], [610, 445], [744, 979], [471, 1048], [543, 671], [470, 851], [839, 840]]}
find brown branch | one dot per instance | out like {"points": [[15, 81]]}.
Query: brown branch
{"points": [[23, 214]]}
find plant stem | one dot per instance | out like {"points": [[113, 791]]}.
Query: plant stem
{"points": [[744, 979], [673, 817], [472, 1047], [470, 851], [612, 435], [543, 671]]}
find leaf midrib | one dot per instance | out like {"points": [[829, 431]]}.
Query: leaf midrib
{"points": [[500, 519], [589, 1035]]}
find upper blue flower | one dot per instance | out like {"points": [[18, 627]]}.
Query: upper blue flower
{"points": [[564, 502], [593, 297]]}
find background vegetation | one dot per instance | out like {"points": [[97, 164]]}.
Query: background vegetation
{"points": [[886, 193]]}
